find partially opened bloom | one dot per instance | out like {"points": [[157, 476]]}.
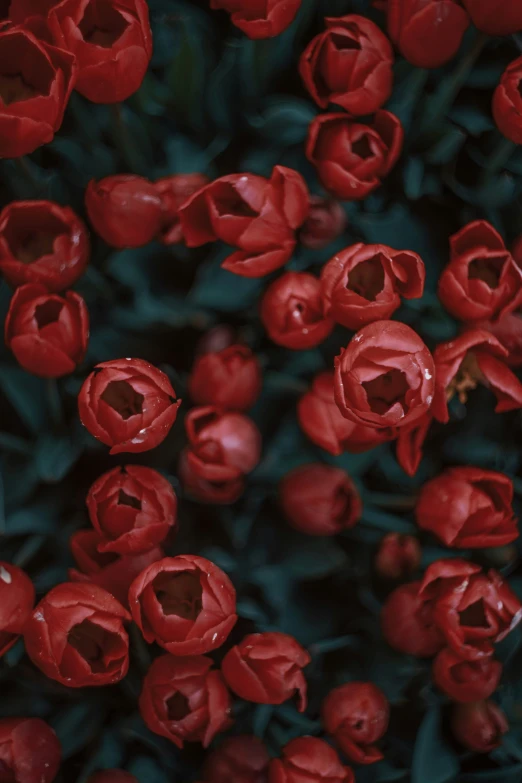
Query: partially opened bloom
{"points": [[258, 216], [128, 404], [465, 681], [76, 636], [356, 715], [309, 760], [365, 283], [30, 751], [507, 102], [174, 191], [266, 668], [185, 700], [408, 623], [16, 604], [259, 18], [508, 331], [42, 242], [186, 604], [385, 376]]}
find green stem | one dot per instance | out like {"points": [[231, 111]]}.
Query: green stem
{"points": [[497, 159]]}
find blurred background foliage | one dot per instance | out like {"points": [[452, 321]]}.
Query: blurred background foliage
{"points": [[216, 102]]}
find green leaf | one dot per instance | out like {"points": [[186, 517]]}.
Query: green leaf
{"points": [[433, 760]]}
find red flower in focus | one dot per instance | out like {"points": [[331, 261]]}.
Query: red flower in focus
{"points": [[507, 102], [259, 18], [325, 222], [174, 191], [472, 609], [321, 420], [428, 33], [42, 242], [256, 215], [364, 283], [112, 44], [229, 379], [474, 357], [468, 508], [501, 17], [128, 404], [76, 636], [186, 604], [133, 508], [47, 333], [223, 447], [465, 681], [125, 210], [410, 442], [479, 726], [29, 751], [350, 64], [508, 331], [266, 668], [309, 759], [185, 700], [385, 376], [16, 604], [292, 311], [36, 80], [408, 624], [112, 776], [320, 500], [482, 279], [399, 556], [357, 715], [351, 157], [114, 573], [241, 759]]}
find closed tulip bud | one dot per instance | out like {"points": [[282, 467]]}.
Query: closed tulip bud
{"points": [[495, 17], [309, 759], [125, 210], [479, 726], [174, 191], [507, 102], [408, 624], [29, 751], [356, 715], [466, 681], [229, 379], [259, 20], [399, 556], [325, 222], [242, 759]]}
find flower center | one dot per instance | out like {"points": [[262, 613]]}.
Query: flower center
{"points": [[123, 399], [467, 378], [386, 390], [487, 269], [36, 246], [367, 278], [343, 41], [362, 148], [48, 312], [229, 202], [128, 500], [180, 594], [177, 707], [90, 641], [102, 25], [474, 615], [13, 88]]}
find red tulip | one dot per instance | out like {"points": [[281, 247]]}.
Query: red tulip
{"points": [[309, 759], [174, 191], [507, 102], [29, 751], [479, 726], [408, 624], [465, 681], [495, 17], [229, 379], [399, 556], [260, 18], [325, 222], [357, 715]]}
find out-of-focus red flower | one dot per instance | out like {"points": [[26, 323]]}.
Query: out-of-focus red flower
{"points": [[365, 283], [350, 64], [125, 210], [428, 33], [465, 681], [476, 356], [76, 636], [42, 242], [473, 609], [258, 216], [30, 751], [325, 222], [507, 102], [229, 379], [220, 492], [217, 339], [128, 404], [115, 573], [185, 700], [357, 715], [47, 333], [482, 279], [385, 376], [242, 759], [399, 556], [133, 508], [468, 507], [309, 759], [186, 604], [508, 331], [292, 311], [479, 726], [112, 776], [16, 604], [112, 44], [266, 668], [320, 500], [174, 191], [260, 18], [408, 624], [36, 80], [223, 447], [495, 17], [352, 157], [321, 420]]}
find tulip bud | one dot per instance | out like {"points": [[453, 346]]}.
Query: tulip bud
{"points": [[229, 379], [325, 222], [310, 759], [466, 681], [174, 191], [125, 210], [241, 759], [356, 715], [408, 624], [29, 751], [479, 726], [399, 556], [507, 102]]}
